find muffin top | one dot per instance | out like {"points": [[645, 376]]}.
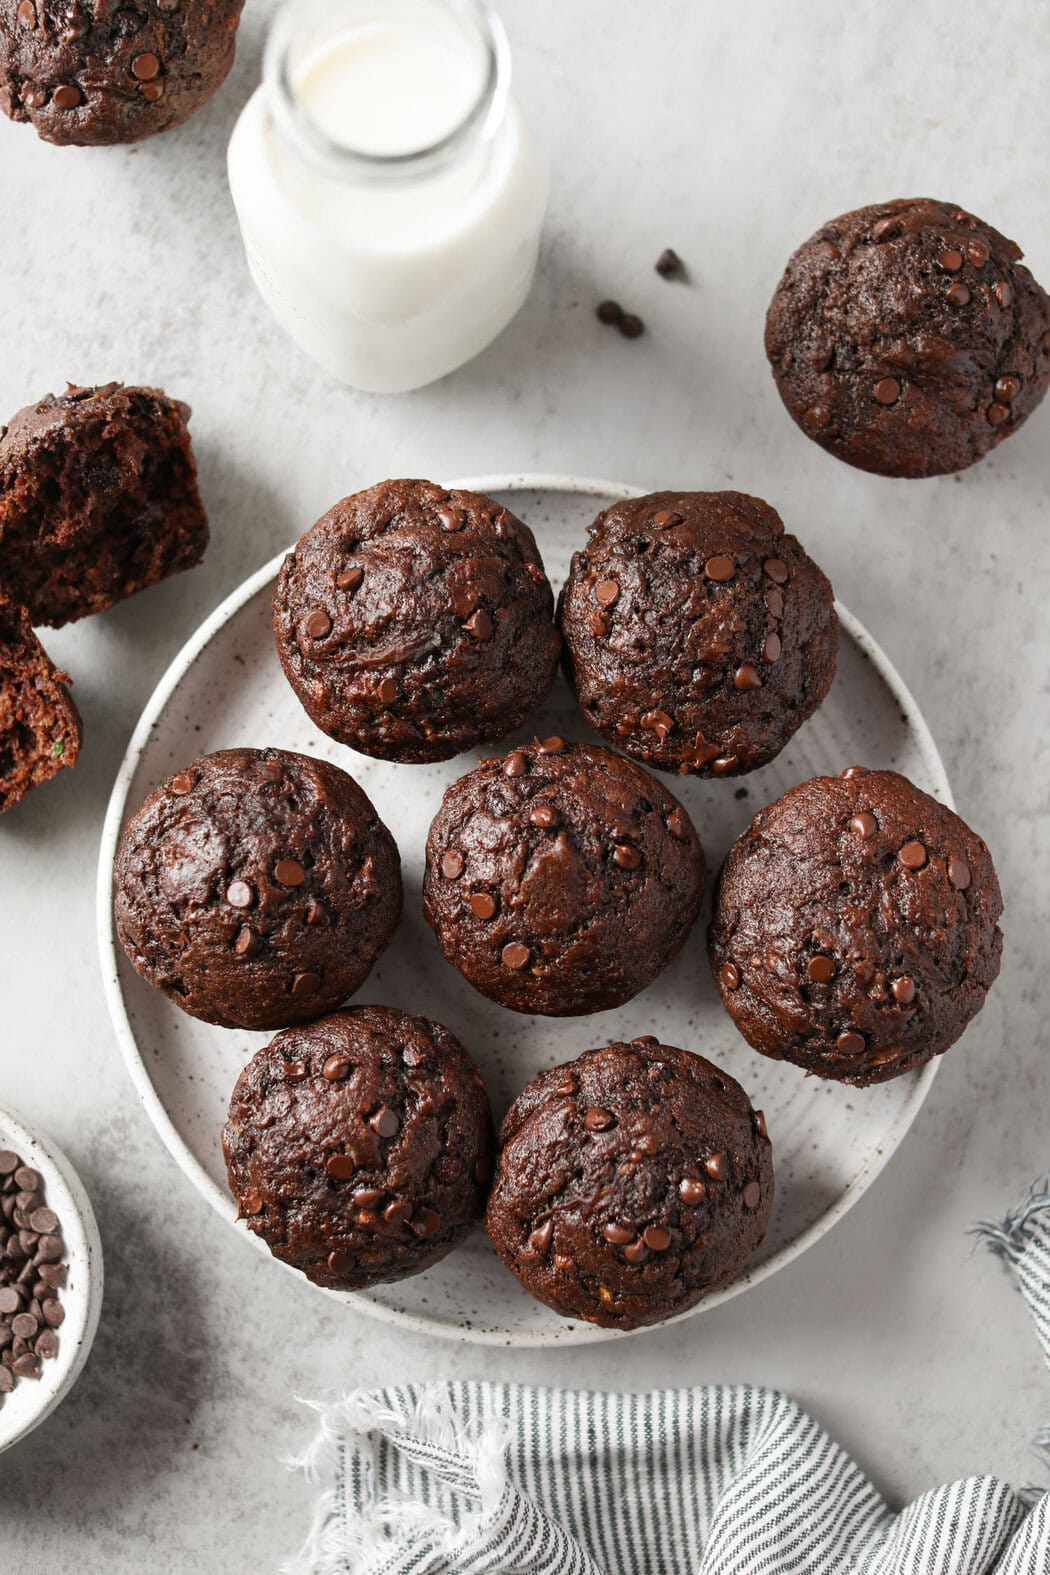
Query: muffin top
{"points": [[561, 879], [360, 1148], [855, 927], [630, 1183], [256, 888], [414, 621], [698, 635], [907, 338]]}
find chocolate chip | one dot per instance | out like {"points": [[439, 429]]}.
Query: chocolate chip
{"points": [[959, 873], [540, 1238], [66, 97], [597, 623], [691, 1191], [676, 824], [772, 648], [339, 1262], [887, 391], [152, 92], [668, 264], [10, 1299], [318, 624], [903, 990], [252, 1205], [665, 517], [752, 1195], [515, 765], [181, 784], [747, 677], [957, 294], [426, 1223], [27, 13], [552, 746], [349, 579], [365, 1197], [658, 722], [821, 969], [452, 519], [715, 1165], [335, 1068], [27, 1365], [777, 570], [483, 904], [340, 1167], [631, 326], [385, 1123], [289, 872], [452, 864], [44, 1221], [27, 1179], [480, 625], [618, 1235], [864, 825], [245, 944], [609, 312], [398, 1213], [514, 955], [951, 261], [997, 414], [977, 252], [729, 974], [1002, 292], [239, 894], [9, 1162], [387, 691], [46, 1344], [626, 857], [295, 1071], [656, 1238], [719, 568], [853, 771], [884, 229], [145, 67], [306, 984], [912, 855], [850, 1043], [760, 1122], [634, 1252], [599, 1120], [606, 593], [1007, 388]]}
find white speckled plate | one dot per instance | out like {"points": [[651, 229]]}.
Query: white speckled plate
{"points": [[225, 688]]}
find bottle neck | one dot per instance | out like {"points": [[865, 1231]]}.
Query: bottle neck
{"points": [[383, 92]]}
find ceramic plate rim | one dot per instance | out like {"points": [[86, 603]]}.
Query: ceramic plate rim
{"points": [[580, 1333]]}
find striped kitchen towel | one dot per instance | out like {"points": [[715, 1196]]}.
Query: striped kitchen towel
{"points": [[500, 1479]]}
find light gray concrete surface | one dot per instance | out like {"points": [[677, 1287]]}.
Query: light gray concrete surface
{"points": [[729, 132]]}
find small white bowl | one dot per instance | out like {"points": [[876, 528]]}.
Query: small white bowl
{"points": [[35, 1398]]}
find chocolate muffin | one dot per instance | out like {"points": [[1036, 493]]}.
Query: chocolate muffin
{"points": [[855, 927], [39, 724], [908, 339], [630, 1184], [562, 879], [360, 1148], [98, 500], [698, 636], [414, 621], [90, 73], [256, 888]]}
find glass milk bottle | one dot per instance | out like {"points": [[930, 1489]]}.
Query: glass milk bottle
{"points": [[388, 192]]}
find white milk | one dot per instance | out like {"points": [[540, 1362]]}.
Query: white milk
{"points": [[389, 196]]}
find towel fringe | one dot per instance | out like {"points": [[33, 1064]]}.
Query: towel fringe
{"points": [[1007, 1238]]}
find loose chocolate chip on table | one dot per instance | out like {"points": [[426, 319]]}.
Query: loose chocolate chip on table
{"points": [[668, 264], [631, 326], [609, 312]]}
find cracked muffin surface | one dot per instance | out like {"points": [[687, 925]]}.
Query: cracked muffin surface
{"points": [[360, 1148], [908, 338], [93, 72], [562, 878], [855, 927], [256, 888], [698, 635], [630, 1183], [415, 621]]}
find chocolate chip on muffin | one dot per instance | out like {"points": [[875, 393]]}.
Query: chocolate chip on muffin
{"points": [[256, 888], [908, 339], [39, 724], [630, 1184], [855, 927], [414, 621], [360, 1148], [94, 74], [698, 636], [98, 500], [561, 879]]}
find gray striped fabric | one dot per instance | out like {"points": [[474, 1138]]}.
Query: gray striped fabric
{"points": [[722, 1480]]}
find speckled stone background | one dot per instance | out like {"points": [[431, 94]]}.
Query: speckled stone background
{"points": [[730, 133]]}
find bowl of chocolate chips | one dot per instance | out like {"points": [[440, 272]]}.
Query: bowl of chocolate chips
{"points": [[50, 1278]]}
